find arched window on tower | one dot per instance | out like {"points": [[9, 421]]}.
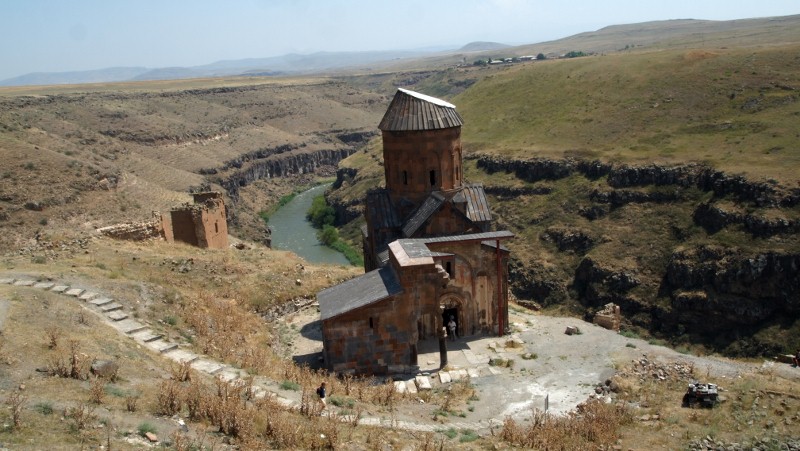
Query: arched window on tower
{"points": [[433, 178], [405, 177]]}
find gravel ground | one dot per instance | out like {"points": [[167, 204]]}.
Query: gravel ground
{"points": [[566, 369]]}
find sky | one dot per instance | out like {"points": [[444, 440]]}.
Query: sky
{"points": [[72, 35]]}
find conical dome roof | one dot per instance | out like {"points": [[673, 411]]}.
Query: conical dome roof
{"points": [[412, 111]]}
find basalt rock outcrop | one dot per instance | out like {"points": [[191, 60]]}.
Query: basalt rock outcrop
{"points": [[568, 239], [698, 176], [280, 166], [714, 218], [532, 280], [598, 283], [723, 293], [718, 294]]}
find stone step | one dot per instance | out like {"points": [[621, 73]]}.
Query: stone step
{"points": [[106, 308], [445, 377], [161, 346], [88, 296], [411, 387], [400, 387], [24, 283], [7, 281], [145, 335], [74, 292], [97, 302], [474, 373], [44, 285], [423, 382], [117, 316], [229, 374], [129, 326], [207, 366], [181, 355], [457, 375], [259, 393], [59, 288]]}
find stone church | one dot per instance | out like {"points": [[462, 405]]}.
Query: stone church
{"points": [[429, 251]]}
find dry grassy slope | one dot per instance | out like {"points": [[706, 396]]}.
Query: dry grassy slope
{"points": [[96, 155], [736, 109]]}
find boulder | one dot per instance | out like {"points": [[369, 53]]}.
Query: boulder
{"points": [[106, 369]]}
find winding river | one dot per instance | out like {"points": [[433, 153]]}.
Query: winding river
{"points": [[291, 231]]}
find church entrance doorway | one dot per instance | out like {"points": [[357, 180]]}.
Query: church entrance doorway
{"points": [[447, 315]]}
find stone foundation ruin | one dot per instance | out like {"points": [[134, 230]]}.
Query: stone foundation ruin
{"points": [[202, 224], [609, 318]]}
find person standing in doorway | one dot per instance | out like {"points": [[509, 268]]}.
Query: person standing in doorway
{"points": [[452, 326]]}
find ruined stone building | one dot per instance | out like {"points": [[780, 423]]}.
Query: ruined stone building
{"points": [[203, 223], [429, 250]]}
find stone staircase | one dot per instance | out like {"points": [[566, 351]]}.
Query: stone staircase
{"points": [[115, 315]]}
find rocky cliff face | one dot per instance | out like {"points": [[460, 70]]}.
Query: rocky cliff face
{"points": [[677, 286], [722, 293], [280, 166]]}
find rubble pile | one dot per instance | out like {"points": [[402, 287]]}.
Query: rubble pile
{"points": [[761, 444], [52, 250], [644, 368]]}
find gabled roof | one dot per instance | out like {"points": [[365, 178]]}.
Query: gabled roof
{"points": [[431, 204], [358, 292], [412, 111], [382, 212], [477, 205]]}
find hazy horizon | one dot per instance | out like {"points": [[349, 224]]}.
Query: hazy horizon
{"points": [[54, 36]]}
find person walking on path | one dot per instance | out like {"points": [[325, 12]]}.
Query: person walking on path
{"points": [[321, 393]]}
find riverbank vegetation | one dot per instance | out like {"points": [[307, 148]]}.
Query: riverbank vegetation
{"points": [[321, 215], [265, 214]]}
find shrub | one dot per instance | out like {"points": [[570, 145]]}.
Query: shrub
{"points": [[131, 401], [146, 427], [45, 408], [169, 398], [339, 401], [320, 213], [468, 435], [97, 391], [15, 402], [81, 415], [290, 385], [629, 334]]}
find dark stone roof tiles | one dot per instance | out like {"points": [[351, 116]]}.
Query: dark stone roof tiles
{"points": [[477, 205], [412, 111], [431, 204], [382, 212], [358, 292]]}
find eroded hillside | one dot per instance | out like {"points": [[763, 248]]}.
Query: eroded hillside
{"points": [[79, 160]]}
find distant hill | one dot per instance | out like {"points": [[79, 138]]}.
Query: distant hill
{"points": [[291, 63], [110, 74], [682, 33], [480, 46]]}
